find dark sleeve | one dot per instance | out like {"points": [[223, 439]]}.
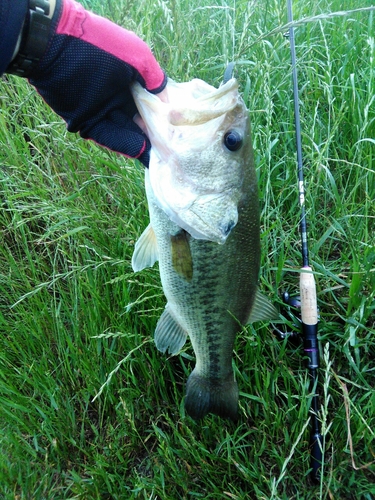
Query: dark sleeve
{"points": [[12, 15]]}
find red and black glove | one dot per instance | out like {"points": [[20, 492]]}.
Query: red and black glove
{"points": [[85, 73]]}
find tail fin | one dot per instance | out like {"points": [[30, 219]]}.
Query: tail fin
{"points": [[205, 395]]}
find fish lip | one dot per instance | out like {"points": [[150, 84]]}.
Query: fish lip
{"points": [[202, 97]]}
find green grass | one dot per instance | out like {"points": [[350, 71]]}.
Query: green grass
{"points": [[75, 321]]}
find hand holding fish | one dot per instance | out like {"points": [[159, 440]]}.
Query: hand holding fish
{"points": [[85, 72]]}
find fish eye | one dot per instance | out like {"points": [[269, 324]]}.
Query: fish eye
{"points": [[233, 140]]}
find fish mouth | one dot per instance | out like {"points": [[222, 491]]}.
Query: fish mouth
{"points": [[199, 104]]}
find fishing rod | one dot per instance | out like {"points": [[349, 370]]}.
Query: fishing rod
{"points": [[308, 301]]}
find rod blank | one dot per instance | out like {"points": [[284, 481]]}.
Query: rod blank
{"points": [[309, 308]]}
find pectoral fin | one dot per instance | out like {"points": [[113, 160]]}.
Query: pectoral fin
{"points": [[262, 309], [169, 334], [146, 250], [181, 255]]}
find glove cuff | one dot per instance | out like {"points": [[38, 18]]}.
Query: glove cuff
{"points": [[34, 36]]}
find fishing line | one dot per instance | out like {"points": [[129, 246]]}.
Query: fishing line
{"points": [[308, 301]]}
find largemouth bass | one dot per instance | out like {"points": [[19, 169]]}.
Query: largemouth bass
{"points": [[202, 196]]}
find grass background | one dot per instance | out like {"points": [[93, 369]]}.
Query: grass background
{"points": [[76, 322]]}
